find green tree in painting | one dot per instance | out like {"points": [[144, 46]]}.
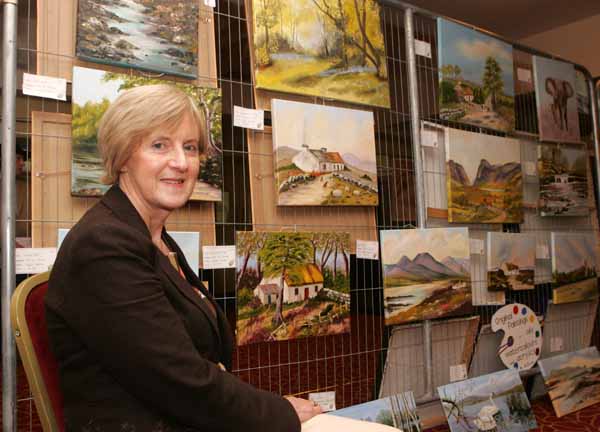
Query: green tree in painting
{"points": [[266, 18], [492, 80], [385, 417], [280, 253], [85, 122]]}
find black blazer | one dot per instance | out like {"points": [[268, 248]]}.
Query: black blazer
{"points": [[137, 348]]}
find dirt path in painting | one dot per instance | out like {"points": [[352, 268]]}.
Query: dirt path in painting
{"points": [[489, 119], [307, 194]]}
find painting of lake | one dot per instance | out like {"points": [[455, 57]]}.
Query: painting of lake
{"points": [[154, 35]]}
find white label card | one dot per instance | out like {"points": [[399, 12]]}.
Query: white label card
{"points": [[218, 257], [542, 252], [530, 168], [367, 249], [556, 344], [422, 48], [458, 372], [476, 246], [34, 260], [248, 118], [326, 400], [44, 86], [211, 3], [524, 75], [429, 138]]}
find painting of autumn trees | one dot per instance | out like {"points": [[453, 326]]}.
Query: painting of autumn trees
{"points": [[327, 48], [292, 285]]}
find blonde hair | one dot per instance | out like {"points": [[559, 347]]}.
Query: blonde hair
{"points": [[136, 113]]}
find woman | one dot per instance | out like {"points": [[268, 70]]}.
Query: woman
{"points": [[141, 344]]}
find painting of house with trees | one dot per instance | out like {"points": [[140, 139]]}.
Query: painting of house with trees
{"points": [[291, 285], [327, 48], [476, 78], [93, 92]]}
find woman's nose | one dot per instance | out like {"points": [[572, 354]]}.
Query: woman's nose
{"points": [[178, 159]]}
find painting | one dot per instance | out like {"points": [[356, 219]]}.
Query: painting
{"points": [[426, 274], [583, 93], [399, 411], [572, 380], [556, 100], [510, 261], [495, 402], [154, 35], [330, 49], [94, 90], [320, 165], [484, 178], [574, 267], [476, 78], [563, 174], [291, 285]]}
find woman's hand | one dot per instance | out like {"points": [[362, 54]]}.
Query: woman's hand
{"points": [[304, 408]]}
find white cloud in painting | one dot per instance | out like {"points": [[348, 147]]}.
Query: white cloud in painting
{"points": [[480, 49]]}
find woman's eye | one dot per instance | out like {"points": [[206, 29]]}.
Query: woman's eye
{"points": [[158, 145], [191, 148]]}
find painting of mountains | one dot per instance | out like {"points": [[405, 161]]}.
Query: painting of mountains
{"points": [[572, 380], [426, 274], [484, 178], [574, 267], [476, 78], [511, 261], [496, 402], [563, 172], [320, 165]]}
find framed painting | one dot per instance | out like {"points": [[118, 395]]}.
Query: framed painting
{"points": [[321, 48], [476, 77], [556, 100], [159, 35], [510, 261], [320, 165], [426, 274], [291, 285], [94, 90]]}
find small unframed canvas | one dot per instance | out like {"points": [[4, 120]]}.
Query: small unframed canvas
{"points": [[574, 267], [563, 180], [476, 77], [484, 178], [572, 380], [291, 285], [426, 274], [321, 48], [556, 100], [324, 155], [93, 92], [511, 261]]}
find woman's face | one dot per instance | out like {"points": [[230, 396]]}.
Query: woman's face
{"points": [[160, 175]]}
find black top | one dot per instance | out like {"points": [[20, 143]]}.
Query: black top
{"points": [[137, 348]]}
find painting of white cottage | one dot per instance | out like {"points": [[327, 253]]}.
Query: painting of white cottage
{"points": [[324, 156], [291, 285]]}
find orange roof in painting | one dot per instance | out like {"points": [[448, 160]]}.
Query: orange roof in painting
{"points": [[334, 157], [304, 275]]}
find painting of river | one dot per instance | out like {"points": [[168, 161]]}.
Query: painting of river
{"points": [[495, 402], [154, 35]]}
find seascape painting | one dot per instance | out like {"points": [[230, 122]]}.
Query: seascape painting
{"points": [[574, 267], [495, 402], [320, 165], [94, 90], [325, 48], [557, 103], [154, 35], [484, 178], [399, 411], [572, 380], [511, 261], [563, 174], [291, 285], [476, 78], [426, 274]]}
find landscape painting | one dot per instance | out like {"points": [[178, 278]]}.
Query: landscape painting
{"points": [[556, 100], [574, 267], [399, 411], [511, 261], [572, 380], [321, 165], [291, 285], [154, 35], [495, 402], [93, 92], [331, 49], [563, 174], [426, 274], [476, 78], [484, 178]]}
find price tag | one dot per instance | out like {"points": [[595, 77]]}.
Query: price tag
{"points": [[367, 249], [422, 48], [218, 257], [326, 400], [556, 344], [45, 86], [211, 3], [458, 372], [542, 252], [476, 246], [429, 138], [34, 260], [248, 118], [524, 75]]}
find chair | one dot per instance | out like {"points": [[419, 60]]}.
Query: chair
{"points": [[28, 318]]}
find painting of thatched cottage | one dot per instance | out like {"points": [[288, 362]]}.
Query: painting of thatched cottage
{"points": [[511, 261], [292, 285]]}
